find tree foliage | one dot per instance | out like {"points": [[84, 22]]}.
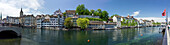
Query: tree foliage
{"points": [[68, 22], [82, 22], [105, 15], [81, 10], [95, 19], [86, 12], [114, 15], [64, 14], [92, 12], [157, 23], [129, 22]]}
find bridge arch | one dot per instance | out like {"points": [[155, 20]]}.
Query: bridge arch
{"points": [[10, 32]]}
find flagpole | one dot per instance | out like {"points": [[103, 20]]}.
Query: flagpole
{"points": [[167, 18], [167, 15]]}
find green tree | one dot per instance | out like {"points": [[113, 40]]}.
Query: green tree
{"points": [[68, 23], [99, 13], [114, 15], [82, 22], [123, 23], [96, 13], [86, 12], [64, 14], [105, 15], [136, 23], [99, 10], [127, 23], [92, 12], [133, 23], [123, 20], [81, 10]]}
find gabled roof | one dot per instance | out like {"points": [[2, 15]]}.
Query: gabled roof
{"points": [[28, 15], [14, 17], [54, 16]]}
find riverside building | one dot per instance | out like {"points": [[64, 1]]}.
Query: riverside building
{"points": [[55, 21]]}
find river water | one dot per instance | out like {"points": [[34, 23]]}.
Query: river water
{"points": [[133, 36]]}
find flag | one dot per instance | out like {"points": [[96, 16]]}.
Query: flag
{"points": [[164, 13]]}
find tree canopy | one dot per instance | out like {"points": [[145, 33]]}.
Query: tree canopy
{"points": [[81, 10], [104, 15], [82, 22], [114, 15], [92, 12], [68, 22], [64, 14]]}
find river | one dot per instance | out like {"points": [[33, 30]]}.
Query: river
{"points": [[131, 36]]}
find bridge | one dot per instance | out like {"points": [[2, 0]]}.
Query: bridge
{"points": [[8, 30]]}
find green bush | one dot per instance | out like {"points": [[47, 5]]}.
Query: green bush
{"points": [[94, 19], [157, 23], [127, 23]]}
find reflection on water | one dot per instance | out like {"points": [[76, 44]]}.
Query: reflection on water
{"points": [[135, 36], [15, 41]]}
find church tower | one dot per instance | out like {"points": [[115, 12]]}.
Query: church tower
{"points": [[21, 13]]}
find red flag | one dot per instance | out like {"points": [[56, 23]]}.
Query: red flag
{"points": [[164, 13]]}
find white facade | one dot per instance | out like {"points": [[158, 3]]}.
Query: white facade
{"points": [[114, 19], [117, 19]]}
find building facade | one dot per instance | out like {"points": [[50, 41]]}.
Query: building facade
{"points": [[14, 20], [28, 20], [101, 25], [55, 21], [117, 20]]}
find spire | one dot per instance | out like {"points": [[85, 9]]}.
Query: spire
{"points": [[21, 10], [21, 13]]}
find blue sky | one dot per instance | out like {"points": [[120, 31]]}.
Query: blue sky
{"points": [[146, 8]]}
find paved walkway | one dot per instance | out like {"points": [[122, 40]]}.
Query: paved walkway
{"points": [[166, 39]]}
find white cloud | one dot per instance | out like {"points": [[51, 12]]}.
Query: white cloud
{"points": [[12, 7], [156, 19], [135, 13]]}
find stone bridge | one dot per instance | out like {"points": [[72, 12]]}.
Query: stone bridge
{"points": [[9, 31]]}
